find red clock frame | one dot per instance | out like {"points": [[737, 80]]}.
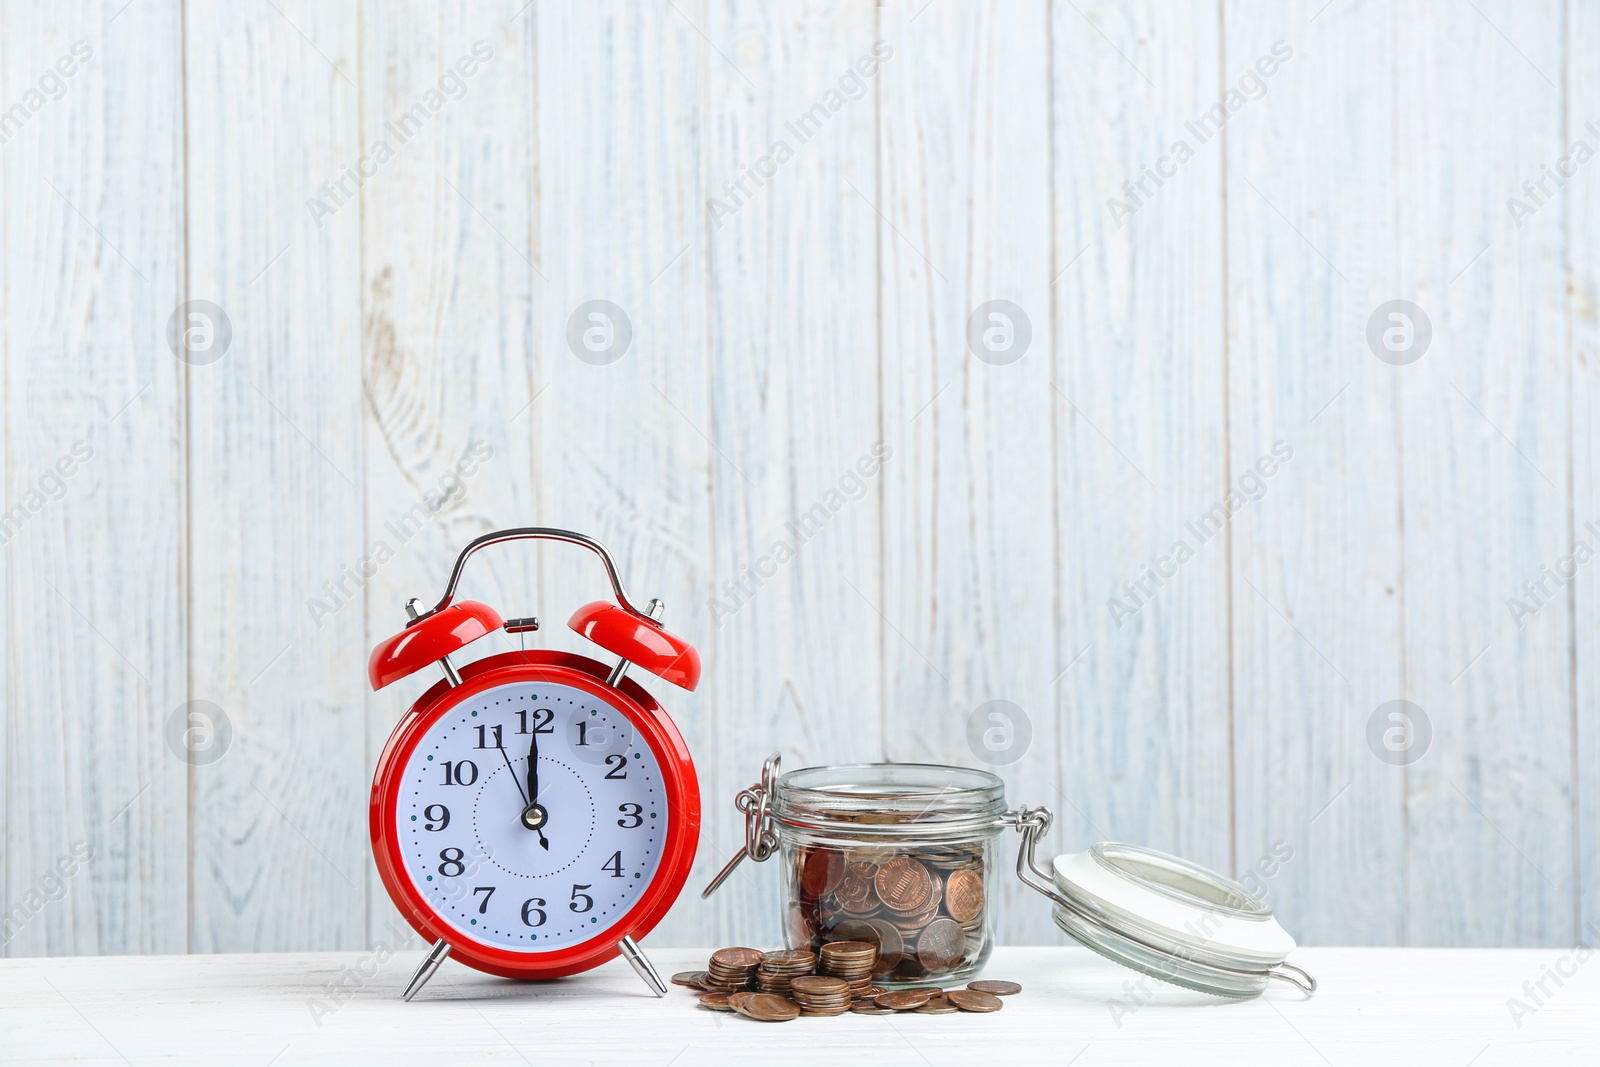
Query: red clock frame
{"points": [[680, 787]]}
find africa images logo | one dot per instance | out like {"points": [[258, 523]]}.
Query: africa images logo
{"points": [[1252, 85]]}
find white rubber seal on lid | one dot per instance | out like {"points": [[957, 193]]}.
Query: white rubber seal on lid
{"points": [[1162, 898]]}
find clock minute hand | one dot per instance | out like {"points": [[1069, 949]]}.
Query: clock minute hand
{"points": [[526, 807], [533, 814]]}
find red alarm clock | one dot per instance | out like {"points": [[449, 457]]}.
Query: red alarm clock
{"points": [[534, 812]]}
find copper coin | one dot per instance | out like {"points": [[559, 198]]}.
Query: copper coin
{"points": [[963, 896], [856, 892], [819, 985], [799, 960], [845, 952], [891, 945], [767, 1008], [904, 884], [937, 1006], [911, 923], [736, 959], [736, 999], [868, 1006], [799, 925], [855, 930], [940, 943], [998, 989], [688, 978], [974, 1000], [903, 999], [822, 872], [716, 1001]]}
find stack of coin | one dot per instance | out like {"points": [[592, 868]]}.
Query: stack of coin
{"points": [[852, 961], [923, 907], [777, 968], [847, 986], [731, 970], [821, 995]]}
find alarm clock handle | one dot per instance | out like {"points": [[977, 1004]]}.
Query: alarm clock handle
{"points": [[536, 533]]}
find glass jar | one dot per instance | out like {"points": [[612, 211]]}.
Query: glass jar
{"points": [[900, 855], [903, 856]]}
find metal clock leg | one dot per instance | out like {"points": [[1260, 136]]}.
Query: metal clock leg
{"points": [[436, 956], [642, 966]]}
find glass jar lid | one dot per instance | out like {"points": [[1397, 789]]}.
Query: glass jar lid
{"points": [[1162, 916], [1169, 918], [892, 799]]}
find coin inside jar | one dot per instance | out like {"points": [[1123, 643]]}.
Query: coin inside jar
{"points": [[941, 943], [891, 944], [904, 885], [821, 872], [963, 895]]}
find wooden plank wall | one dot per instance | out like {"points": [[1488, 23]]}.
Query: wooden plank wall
{"points": [[1092, 290]]}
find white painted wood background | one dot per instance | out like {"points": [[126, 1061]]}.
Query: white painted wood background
{"points": [[375, 347]]}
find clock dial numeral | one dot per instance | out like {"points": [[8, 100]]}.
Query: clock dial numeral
{"points": [[533, 906], [460, 772], [619, 766], [487, 891], [588, 901], [451, 861], [484, 731], [438, 817], [634, 812], [614, 864], [543, 721], [583, 734]]}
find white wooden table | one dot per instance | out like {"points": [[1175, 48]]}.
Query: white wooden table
{"points": [[1400, 1006]]}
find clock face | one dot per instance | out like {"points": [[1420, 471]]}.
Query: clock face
{"points": [[460, 823]]}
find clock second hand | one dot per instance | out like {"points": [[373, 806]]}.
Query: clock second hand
{"points": [[523, 794]]}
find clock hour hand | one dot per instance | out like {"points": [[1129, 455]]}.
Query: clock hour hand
{"points": [[533, 814]]}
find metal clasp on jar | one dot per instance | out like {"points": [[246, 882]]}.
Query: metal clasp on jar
{"points": [[760, 832]]}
